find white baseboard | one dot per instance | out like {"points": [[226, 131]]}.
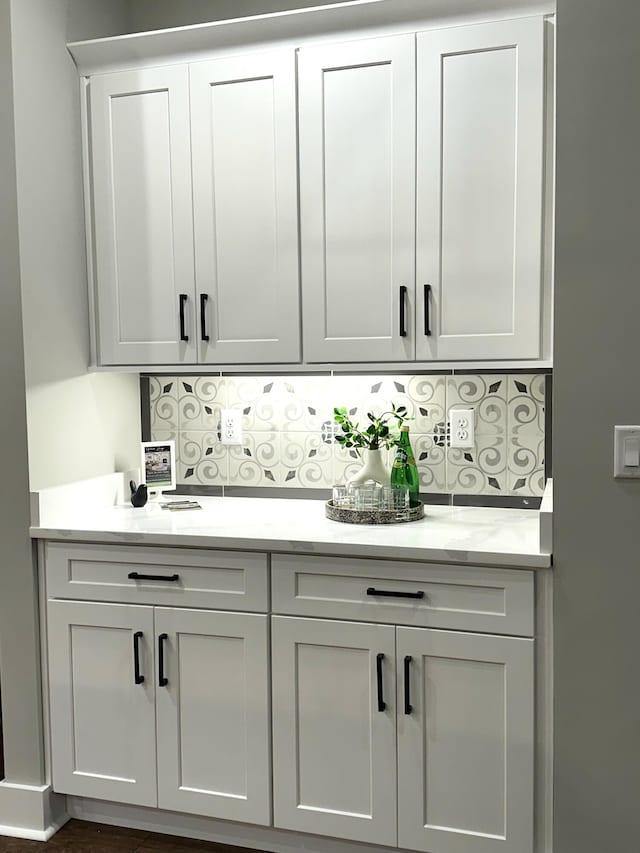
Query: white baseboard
{"points": [[31, 811], [224, 832]]}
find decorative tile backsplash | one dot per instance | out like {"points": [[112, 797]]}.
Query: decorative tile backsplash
{"points": [[288, 429]]}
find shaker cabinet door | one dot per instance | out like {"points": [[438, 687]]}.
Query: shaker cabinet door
{"points": [[102, 701], [334, 728], [143, 229], [357, 199], [245, 203], [213, 714], [479, 191], [465, 742]]}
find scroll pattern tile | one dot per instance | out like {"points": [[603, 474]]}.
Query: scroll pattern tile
{"points": [[289, 432]]}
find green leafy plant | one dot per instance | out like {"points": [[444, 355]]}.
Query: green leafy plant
{"points": [[375, 435]]}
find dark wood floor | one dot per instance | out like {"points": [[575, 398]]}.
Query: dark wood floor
{"points": [[80, 837]]}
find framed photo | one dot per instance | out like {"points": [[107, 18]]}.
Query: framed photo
{"points": [[158, 465]]}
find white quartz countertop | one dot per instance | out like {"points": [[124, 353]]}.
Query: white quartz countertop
{"points": [[494, 537]]}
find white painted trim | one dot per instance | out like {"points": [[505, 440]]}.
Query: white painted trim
{"points": [[262, 838], [543, 773], [406, 367], [31, 811], [546, 519], [358, 19]]}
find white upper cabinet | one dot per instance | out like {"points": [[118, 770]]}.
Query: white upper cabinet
{"points": [[479, 191], [245, 203], [357, 208], [143, 232]]}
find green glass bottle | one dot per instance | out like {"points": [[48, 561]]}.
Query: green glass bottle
{"points": [[404, 473]]}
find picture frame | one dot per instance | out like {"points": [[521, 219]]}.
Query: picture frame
{"points": [[158, 466]]}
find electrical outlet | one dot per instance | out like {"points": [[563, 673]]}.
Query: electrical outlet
{"points": [[231, 426], [463, 432]]}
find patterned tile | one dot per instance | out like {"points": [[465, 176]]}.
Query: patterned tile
{"points": [[202, 459], [200, 399], [526, 464], [479, 471], [428, 394], [487, 395], [526, 403], [431, 462], [308, 460], [259, 400], [289, 428], [163, 402], [257, 461], [165, 435]]}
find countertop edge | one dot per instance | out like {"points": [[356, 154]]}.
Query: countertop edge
{"points": [[509, 560]]}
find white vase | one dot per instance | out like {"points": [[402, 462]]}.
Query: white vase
{"points": [[373, 468]]}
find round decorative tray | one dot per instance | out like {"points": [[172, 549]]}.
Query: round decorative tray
{"points": [[374, 516]]}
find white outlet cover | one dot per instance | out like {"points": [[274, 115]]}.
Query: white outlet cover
{"points": [[463, 428], [231, 426]]}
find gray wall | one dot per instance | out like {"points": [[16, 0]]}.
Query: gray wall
{"points": [[158, 14], [79, 424], [43, 282], [596, 518], [18, 634]]}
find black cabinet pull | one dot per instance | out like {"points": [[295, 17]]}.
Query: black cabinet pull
{"points": [[137, 676], [381, 703], [136, 576], [203, 316], [403, 308], [162, 679], [394, 593], [183, 301], [427, 310], [408, 707]]}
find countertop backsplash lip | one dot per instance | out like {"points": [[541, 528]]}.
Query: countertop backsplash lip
{"points": [[288, 442]]}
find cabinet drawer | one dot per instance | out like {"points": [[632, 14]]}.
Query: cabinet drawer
{"points": [[224, 580], [465, 598]]}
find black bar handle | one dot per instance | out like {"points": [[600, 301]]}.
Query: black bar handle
{"points": [[162, 679], [183, 301], [381, 703], [137, 675], [408, 707], [394, 593], [203, 316], [427, 310], [403, 308], [136, 576]]}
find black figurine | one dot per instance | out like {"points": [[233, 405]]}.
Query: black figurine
{"points": [[139, 494]]}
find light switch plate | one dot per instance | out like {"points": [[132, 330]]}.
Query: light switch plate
{"points": [[463, 428], [626, 452], [231, 426]]}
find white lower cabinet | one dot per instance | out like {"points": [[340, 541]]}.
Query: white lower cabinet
{"points": [[464, 712], [465, 742], [334, 728], [418, 738], [213, 714], [118, 671], [103, 737]]}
